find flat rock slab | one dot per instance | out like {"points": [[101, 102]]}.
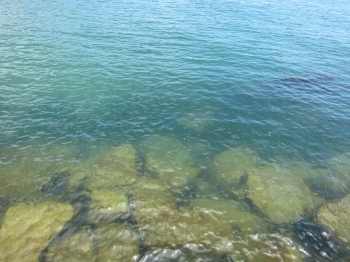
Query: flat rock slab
{"points": [[280, 195], [152, 202], [107, 206], [337, 217], [116, 169], [28, 229], [230, 211], [230, 166], [117, 242], [170, 160], [78, 247], [265, 248]]}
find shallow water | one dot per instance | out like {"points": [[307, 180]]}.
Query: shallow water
{"points": [[78, 79]]}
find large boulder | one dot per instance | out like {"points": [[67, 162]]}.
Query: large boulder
{"points": [[336, 216], [170, 160], [117, 242], [114, 170], [192, 230], [204, 189], [230, 166], [265, 248], [232, 212], [196, 121], [152, 202], [107, 206], [77, 247], [278, 194], [28, 229]]}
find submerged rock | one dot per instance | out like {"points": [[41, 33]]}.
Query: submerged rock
{"points": [[57, 187], [280, 195], [230, 166], [196, 121], [152, 202], [318, 241], [78, 247], [242, 221], [107, 206], [203, 189], [115, 169], [191, 229], [170, 160], [265, 248], [336, 216], [333, 182], [28, 229], [117, 242]]}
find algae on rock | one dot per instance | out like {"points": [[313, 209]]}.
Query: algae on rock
{"points": [[115, 169], [336, 216], [243, 221], [107, 206], [230, 166], [170, 160], [265, 248], [152, 202], [117, 242], [28, 229], [280, 195], [192, 229], [78, 247]]}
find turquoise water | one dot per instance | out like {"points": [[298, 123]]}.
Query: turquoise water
{"points": [[271, 76]]}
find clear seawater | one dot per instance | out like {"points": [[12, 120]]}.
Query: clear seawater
{"points": [[272, 76]]}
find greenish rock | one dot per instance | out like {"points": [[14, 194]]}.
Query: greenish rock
{"points": [[280, 195], [28, 229], [338, 179], [336, 216], [78, 247], [152, 202], [305, 171], [114, 170], [196, 121], [321, 181], [117, 242], [233, 213], [230, 166], [203, 189], [265, 248], [170, 160], [191, 229], [107, 206]]}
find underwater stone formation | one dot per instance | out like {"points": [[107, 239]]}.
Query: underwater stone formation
{"points": [[57, 187], [170, 160], [115, 169], [152, 202], [336, 216], [117, 242], [265, 248], [196, 121], [230, 166], [107, 206], [242, 221], [318, 241], [334, 182], [77, 247], [280, 195], [28, 229], [191, 229]]}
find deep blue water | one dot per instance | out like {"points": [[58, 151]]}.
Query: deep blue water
{"points": [[273, 76]]}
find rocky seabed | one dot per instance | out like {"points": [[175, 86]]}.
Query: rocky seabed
{"points": [[156, 202]]}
